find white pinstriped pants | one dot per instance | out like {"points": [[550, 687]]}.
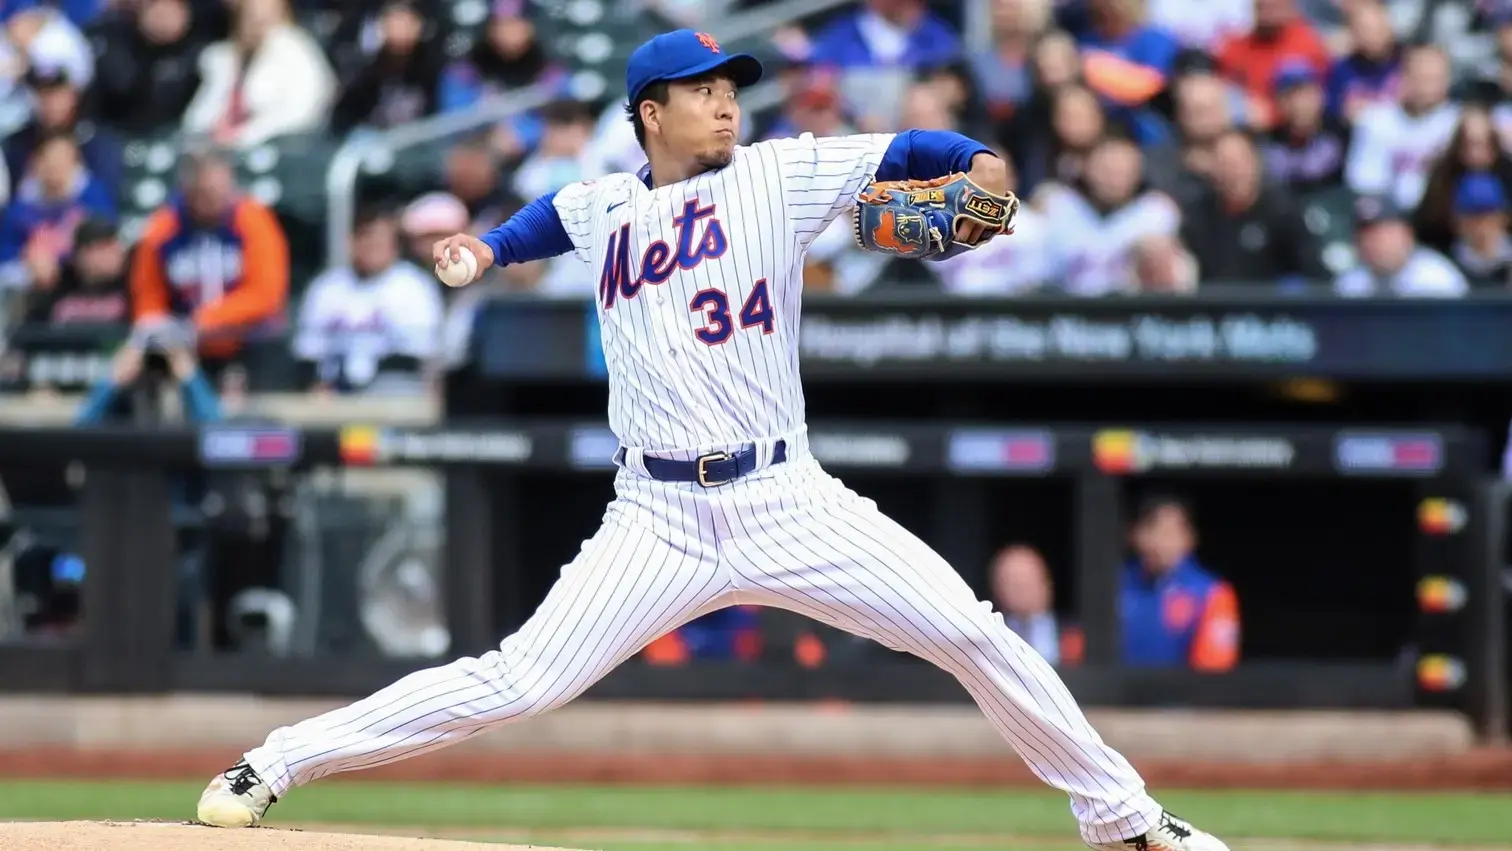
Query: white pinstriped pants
{"points": [[790, 536]]}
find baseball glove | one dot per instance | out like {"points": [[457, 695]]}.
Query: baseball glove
{"points": [[921, 219]]}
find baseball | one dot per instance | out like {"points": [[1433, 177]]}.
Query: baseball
{"points": [[458, 272]]}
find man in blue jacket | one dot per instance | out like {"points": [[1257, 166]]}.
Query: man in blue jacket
{"points": [[113, 400], [1175, 612]]}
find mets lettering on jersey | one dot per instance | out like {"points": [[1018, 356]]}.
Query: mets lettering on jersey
{"points": [[659, 261], [699, 285]]}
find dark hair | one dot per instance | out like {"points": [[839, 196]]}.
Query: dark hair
{"points": [[1116, 136], [59, 135], [1433, 220], [370, 215], [566, 112], [657, 93], [1154, 503]]}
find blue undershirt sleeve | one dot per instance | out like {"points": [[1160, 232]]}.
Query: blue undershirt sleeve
{"points": [[534, 233], [927, 154]]}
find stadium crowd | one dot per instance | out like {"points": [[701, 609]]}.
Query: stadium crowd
{"points": [[1170, 141]]}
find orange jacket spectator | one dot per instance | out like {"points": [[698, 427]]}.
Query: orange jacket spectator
{"points": [[1251, 60], [229, 277], [1184, 617]]}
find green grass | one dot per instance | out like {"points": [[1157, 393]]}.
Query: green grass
{"points": [[785, 819]]}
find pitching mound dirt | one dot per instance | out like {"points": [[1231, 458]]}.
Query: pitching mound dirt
{"points": [[166, 836]]}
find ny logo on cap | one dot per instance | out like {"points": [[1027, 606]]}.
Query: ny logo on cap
{"points": [[708, 41]]}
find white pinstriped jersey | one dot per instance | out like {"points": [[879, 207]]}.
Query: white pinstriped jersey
{"points": [[699, 285]]}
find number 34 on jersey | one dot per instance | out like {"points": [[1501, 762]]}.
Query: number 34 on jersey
{"points": [[700, 237]]}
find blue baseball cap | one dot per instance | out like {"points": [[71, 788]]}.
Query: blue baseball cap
{"points": [[685, 53], [1293, 73], [1478, 194]]}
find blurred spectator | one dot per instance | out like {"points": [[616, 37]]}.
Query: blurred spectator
{"points": [[1474, 147], [1204, 113], [131, 371], [1099, 222], [353, 31], [1058, 151], [213, 256], [42, 37], [1372, 72], [91, 287], [399, 82], [887, 33], [156, 378], [1023, 594], [510, 56], [1280, 34], [812, 106], [1163, 265], [1003, 74], [956, 88], [1483, 249], [1307, 148], [1205, 25], [1395, 143], [473, 177], [57, 99], [1024, 134], [37, 228], [561, 158], [149, 66], [1175, 612], [614, 144], [1391, 261], [1007, 265], [429, 219], [924, 108], [270, 79], [377, 318], [693, 14], [1248, 231], [1128, 62]]}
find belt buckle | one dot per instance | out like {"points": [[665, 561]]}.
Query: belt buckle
{"points": [[703, 472]]}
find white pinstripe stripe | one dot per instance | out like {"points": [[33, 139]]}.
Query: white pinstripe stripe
{"points": [[668, 390], [790, 536], [812, 546], [639, 577]]}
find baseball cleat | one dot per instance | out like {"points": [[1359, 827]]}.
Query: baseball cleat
{"points": [[236, 798], [1171, 834]]}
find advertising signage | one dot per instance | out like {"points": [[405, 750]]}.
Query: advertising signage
{"points": [[866, 339]]}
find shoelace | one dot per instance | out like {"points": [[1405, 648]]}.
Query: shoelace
{"points": [[1170, 823], [244, 779]]}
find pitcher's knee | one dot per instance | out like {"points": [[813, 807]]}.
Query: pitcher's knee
{"points": [[528, 686]]}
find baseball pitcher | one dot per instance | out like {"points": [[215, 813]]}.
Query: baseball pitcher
{"points": [[718, 500]]}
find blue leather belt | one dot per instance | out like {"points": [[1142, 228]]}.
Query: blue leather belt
{"points": [[714, 469]]}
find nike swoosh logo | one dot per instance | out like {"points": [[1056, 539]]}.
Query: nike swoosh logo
{"points": [[612, 206]]}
